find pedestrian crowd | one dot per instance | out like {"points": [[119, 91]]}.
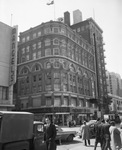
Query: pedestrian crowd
{"points": [[106, 133]]}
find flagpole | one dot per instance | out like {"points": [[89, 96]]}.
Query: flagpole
{"points": [[11, 19]]}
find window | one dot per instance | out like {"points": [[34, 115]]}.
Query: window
{"points": [[47, 52], [56, 42], [39, 33], [56, 64], [39, 44], [3, 93], [38, 54], [27, 49], [48, 65], [73, 102], [34, 35], [63, 31], [57, 101], [65, 101], [48, 101], [28, 38], [56, 51], [57, 87], [23, 59], [23, 40], [27, 57], [40, 77], [65, 87], [34, 46], [47, 42], [34, 56], [23, 50], [34, 78], [64, 52], [47, 30], [55, 30]]}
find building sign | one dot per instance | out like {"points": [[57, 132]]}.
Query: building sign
{"points": [[13, 56], [60, 110]]}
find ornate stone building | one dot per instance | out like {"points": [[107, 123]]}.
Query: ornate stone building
{"points": [[56, 73]]}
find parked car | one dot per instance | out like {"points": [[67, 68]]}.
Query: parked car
{"points": [[64, 135], [91, 124]]}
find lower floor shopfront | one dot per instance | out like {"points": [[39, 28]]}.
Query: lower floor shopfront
{"points": [[63, 115]]}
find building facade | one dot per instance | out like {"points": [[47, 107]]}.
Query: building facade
{"points": [[92, 33], [8, 64], [114, 83], [56, 73]]}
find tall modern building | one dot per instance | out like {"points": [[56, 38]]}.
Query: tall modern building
{"points": [[114, 83], [92, 33], [8, 65], [56, 73], [77, 16]]}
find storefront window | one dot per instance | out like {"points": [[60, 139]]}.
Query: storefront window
{"points": [[57, 101], [48, 101]]}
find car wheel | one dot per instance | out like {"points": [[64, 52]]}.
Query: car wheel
{"points": [[70, 138]]}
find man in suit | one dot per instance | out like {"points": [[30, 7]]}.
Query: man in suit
{"points": [[50, 135], [98, 134], [106, 136]]}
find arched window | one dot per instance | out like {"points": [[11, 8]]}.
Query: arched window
{"points": [[72, 68], [56, 64], [36, 67], [48, 65]]}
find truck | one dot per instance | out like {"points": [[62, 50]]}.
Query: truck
{"points": [[19, 131]]}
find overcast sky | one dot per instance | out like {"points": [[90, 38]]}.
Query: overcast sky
{"points": [[107, 14]]}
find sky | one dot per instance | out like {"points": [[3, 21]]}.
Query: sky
{"points": [[106, 13]]}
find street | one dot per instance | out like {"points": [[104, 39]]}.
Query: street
{"points": [[77, 144]]}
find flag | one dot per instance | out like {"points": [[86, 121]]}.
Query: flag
{"points": [[50, 3]]}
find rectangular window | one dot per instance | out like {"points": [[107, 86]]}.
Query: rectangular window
{"points": [[39, 33], [34, 46], [23, 50], [56, 51], [47, 52], [65, 101], [23, 40], [39, 44], [57, 101], [28, 38], [57, 87], [27, 49], [39, 54], [34, 35], [48, 101], [56, 30], [34, 78], [34, 56], [27, 57], [47, 42]]}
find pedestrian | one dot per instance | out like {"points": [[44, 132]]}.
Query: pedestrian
{"points": [[98, 133], [106, 136], [50, 135], [85, 133], [115, 137]]}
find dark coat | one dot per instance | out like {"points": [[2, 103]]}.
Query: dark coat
{"points": [[49, 136], [105, 130]]}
